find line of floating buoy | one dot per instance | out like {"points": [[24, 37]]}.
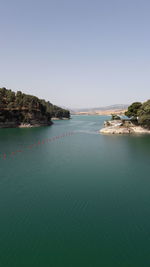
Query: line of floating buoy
{"points": [[4, 156]]}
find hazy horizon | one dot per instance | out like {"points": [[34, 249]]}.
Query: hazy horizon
{"points": [[79, 54]]}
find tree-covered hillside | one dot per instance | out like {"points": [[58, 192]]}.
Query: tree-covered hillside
{"points": [[11, 100], [23, 108]]}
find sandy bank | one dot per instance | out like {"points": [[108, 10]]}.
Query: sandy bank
{"points": [[58, 119], [28, 125]]}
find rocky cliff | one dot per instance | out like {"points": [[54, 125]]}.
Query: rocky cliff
{"points": [[21, 110], [20, 118]]}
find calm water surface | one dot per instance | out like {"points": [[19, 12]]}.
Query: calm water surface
{"points": [[80, 200]]}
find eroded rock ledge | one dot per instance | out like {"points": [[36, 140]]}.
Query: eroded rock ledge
{"points": [[122, 127]]}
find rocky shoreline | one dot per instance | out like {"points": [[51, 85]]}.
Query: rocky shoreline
{"points": [[34, 123], [118, 127], [23, 125]]}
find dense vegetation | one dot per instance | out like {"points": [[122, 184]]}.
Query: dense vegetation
{"points": [[10, 100], [140, 113], [115, 117]]}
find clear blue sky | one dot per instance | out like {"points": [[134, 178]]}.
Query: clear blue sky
{"points": [[76, 53]]}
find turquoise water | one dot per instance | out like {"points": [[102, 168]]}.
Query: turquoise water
{"points": [[82, 199]]}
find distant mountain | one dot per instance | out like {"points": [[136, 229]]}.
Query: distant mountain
{"points": [[103, 108]]}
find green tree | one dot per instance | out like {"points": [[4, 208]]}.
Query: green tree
{"points": [[133, 109], [144, 114]]}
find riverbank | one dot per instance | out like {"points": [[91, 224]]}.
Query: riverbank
{"points": [[14, 124], [57, 119], [23, 125], [27, 125]]}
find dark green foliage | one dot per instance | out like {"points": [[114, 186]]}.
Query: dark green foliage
{"points": [[115, 117], [28, 106], [133, 110], [144, 114], [140, 112]]}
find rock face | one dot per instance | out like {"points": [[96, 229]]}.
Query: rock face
{"points": [[113, 123], [23, 118], [116, 130], [122, 127]]}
